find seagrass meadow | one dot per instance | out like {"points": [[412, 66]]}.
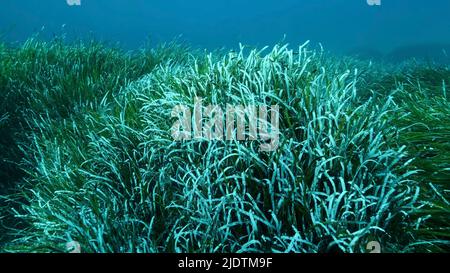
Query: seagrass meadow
{"points": [[87, 154]]}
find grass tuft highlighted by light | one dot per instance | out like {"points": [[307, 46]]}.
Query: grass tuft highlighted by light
{"points": [[101, 168]]}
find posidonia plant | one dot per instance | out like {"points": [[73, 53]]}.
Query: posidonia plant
{"points": [[109, 175]]}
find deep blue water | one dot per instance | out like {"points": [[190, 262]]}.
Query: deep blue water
{"points": [[340, 25]]}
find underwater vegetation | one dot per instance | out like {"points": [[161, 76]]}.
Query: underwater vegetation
{"points": [[429, 52], [435, 53], [87, 153]]}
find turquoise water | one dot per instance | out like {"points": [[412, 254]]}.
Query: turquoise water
{"points": [[340, 25], [359, 157]]}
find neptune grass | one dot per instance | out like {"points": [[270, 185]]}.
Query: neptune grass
{"points": [[102, 168], [59, 80], [428, 137], [421, 92]]}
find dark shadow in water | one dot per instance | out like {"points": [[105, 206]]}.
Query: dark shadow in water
{"points": [[433, 53], [366, 53], [437, 53]]}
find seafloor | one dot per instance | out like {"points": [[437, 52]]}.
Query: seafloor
{"points": [[87, 154]]}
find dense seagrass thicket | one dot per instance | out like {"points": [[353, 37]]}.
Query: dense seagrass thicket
{"points": [[112, 178], [58, 81]]}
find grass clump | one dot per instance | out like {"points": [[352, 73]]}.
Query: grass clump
{"points": [[360, 158], [420, 91], [112, 178], [59, 81], [427, 132]]}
